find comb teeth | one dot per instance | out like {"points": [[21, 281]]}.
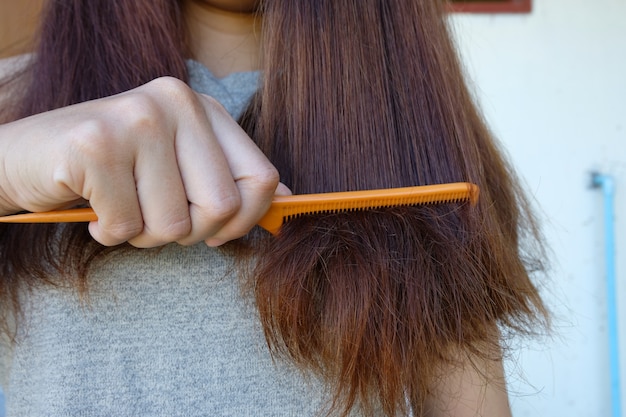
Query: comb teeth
{"points": [[371, 204], [356, 206], [348, 207], [290, 207]]}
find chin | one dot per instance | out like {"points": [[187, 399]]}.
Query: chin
{"points": [[240, 6]]}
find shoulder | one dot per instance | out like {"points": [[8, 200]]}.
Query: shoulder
{"points": [[14, 64], [11, 70]]}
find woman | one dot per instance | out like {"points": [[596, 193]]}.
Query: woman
{"points": [[386, 312]]}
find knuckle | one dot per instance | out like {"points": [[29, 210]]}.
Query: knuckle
{"points": [[225, 207], [90, 138], [141, 114], [222, 208], [87, 154], [182, 99], [91, 148], [173, 91], [266, 178], [170, 86]]}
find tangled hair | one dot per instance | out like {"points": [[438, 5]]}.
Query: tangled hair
{"points": [[355, 95]]}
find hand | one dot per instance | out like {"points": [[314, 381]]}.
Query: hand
{"points": [[157, 164]]}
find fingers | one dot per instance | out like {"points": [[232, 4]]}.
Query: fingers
{"points": [[161, 196], [236, 186], [159, 164], [212, 195], [208, 183]]}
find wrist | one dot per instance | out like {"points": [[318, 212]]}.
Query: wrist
{"points": [[7, 202]]}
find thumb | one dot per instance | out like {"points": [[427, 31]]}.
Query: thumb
{"points": [[282, 189]]}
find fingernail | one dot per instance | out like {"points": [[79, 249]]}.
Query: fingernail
{"points": [[214, 242]]}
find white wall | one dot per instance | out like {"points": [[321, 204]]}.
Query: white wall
{"points": [[552, 85]]}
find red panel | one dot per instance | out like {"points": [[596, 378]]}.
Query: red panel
{"points": [[494, 6]]}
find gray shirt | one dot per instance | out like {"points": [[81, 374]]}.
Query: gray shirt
{"points": [[164, 332]]}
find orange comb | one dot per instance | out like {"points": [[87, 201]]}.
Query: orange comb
{"points": [[284, 208]]}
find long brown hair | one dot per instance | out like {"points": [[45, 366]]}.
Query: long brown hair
{"points": [[355, 95], [371, 95]]}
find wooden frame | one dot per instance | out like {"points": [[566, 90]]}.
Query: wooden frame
{"points": [[491, 6]]}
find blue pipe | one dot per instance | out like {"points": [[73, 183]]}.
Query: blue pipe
{"points": [[607, 185]]}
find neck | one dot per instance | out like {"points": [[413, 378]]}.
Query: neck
{"points": [[224, 41]]}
